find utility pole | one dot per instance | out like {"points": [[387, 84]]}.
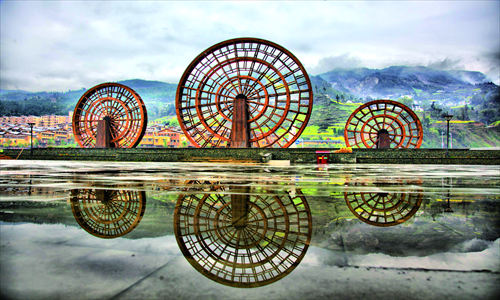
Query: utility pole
{"points": [[448, 118], [31, 127]]}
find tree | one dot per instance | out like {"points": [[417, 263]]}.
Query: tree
{"points": [[488, 115], [342, 97], [427, 122], [337, 97], [408, 101], [174, 122]]}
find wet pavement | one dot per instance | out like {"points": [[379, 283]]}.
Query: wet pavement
{"points": [[94, 230]]}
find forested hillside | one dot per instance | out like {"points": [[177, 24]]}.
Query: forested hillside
{"points": [[336, 95], [158, 97], [329, 117], [421, 83]]}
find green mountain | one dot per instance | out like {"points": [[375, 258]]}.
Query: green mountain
{"points": [[154, 90], [336, 95], [158, 97], [12, 91], [421, 83]]}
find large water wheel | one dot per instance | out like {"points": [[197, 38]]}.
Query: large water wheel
{"points": [[242, 93]]}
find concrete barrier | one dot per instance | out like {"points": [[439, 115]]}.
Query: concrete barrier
{"points": [[260, 155]]}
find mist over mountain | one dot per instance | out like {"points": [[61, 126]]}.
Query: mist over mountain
{"points": [[396, 81], [337, 94], [448, 88], [2, 91]]}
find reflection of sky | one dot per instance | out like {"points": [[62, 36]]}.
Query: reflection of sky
{"points": [[467, 183], [487, 259], [74, 236], [461, 257]]}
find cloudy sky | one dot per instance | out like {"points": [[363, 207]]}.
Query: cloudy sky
{"points": [[57, 46]]}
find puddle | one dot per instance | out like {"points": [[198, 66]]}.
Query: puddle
{"points": [[244, 226]]}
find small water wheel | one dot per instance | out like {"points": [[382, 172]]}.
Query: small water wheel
{"points": [[109, 115], [383, 124]]}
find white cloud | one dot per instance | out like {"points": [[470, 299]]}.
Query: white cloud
{"points": [[49, 45], [326, 64]]}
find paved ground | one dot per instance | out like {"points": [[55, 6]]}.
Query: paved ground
{"points": [[67, 263], [57, 261]]}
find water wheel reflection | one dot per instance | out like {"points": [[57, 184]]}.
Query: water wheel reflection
{"points": [[108, 213], [383, 209], [243, 240]]}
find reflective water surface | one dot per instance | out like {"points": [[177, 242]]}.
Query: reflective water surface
{"points": [[94, 230]]}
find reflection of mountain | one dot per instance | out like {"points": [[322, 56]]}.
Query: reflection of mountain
{"points": [[108, 213], [243, 240]]}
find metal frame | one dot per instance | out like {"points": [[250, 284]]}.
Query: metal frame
{"points": [[125, 109], [273, 82], [404, 127]]}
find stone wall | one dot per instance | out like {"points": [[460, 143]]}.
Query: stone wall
{"points": [[257, 155], [428, 156]]}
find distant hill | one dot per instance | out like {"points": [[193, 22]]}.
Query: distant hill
{"points": [[12, 91], [158, 97], [421, 83], [152, 89], [444, 90]]}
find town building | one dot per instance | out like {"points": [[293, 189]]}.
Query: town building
{"points": [[52, 130]]}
